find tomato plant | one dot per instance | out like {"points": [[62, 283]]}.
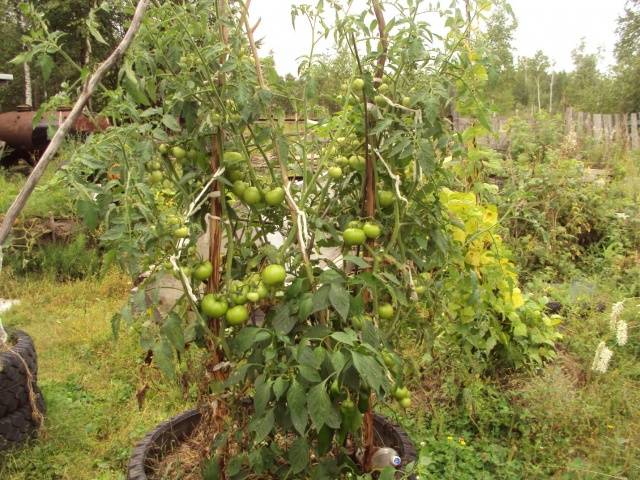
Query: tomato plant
{"points": [[204, 158]]}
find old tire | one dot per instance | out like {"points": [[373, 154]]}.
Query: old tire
{"points": [[175, 430], [18, 366], [21, 425]]}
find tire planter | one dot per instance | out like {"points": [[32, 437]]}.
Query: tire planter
{"points": [[172, 432], [18, 375]]}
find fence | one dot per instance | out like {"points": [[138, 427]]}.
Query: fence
{"points": [[608, 128]]}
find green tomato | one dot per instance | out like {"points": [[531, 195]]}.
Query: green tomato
{"points": [[154, 165], [380, 101], [371, 230], [235, 175], [342, 161], [353, 236], [347, 406], [163, 148], [203, 271], [357, 321], [273, 275], [389, 361], [181, 232], [420, 289], [237, 315], [401, 392], [383, 88], [406, 102], [405, 402], [357, 84], [357, 162], [274, 197], [252, 196], [232, 157], [213, 307], [253, 297], [173, 220], [178, 152], [335, 172], [386, 198], [192, 154], [155, 177], [262, 291], [385, 311], [239, 188]]}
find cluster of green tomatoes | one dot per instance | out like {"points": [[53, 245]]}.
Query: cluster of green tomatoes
{"points": [[233, 305], [251, 195]]}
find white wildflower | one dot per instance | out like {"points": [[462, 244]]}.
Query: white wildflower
{"points": [[601, 359], [616, 311], [621, 333]]}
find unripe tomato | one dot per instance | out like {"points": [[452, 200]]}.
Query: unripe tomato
{"points": [[383, 88], [388, 359], [357, 321], [252, 196], [173, 220], [405, 402], [385, 311], [262, 291], [380, 101], [213, 307], [371, 230], [156, 177], [342, 160], [357, 84], [253, 296], [353, 236], [192, 154], [178, 152], [163, 148], [181, 232], [154, 165], [203, 271], [239, 187], [347, 406], [232, 157], [420, 289], [401, 392], [237, 315], [335, 172], [386, 198], [357, 162], [235, 175], [274, 197], [406, 102], [273, 275]]}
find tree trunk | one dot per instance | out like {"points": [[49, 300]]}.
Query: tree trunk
{"points": [[551, 93], [538, 89], [28, 94]]}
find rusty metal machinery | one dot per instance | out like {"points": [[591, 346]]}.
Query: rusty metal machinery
{"points": [[27, 141]]}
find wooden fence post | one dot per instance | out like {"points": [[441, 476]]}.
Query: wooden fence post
{"points": [[635, 141], [597, 126], [568, 121]]}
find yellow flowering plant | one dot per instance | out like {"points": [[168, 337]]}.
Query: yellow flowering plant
{"points": [[484, 306]]}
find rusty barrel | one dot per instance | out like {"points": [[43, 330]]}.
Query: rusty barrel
{"points": [[28, 140]]}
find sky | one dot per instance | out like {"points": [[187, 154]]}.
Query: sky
{"points": [[553, 26]]}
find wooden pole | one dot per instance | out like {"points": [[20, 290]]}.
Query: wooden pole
{"points": [[635, 140], [87, 91]]}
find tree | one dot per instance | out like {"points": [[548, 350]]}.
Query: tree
{"points": [[628, 57]]}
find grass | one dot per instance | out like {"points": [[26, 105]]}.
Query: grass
{"points": [[51, 196], [89, 380]]}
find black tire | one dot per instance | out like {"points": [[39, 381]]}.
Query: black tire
{"points": [[21, 425], [175, 430], [12, 366]]}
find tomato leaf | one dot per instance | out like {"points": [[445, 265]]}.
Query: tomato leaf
{"points": [[296, 400], [282, 320], [370, 370], [321, 410], [262, 396], [163, 357], [299, 455], [172, 329], [262, 426], [340, 299]]}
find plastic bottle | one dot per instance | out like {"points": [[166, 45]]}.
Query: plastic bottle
{"points": [[385, 457]]}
